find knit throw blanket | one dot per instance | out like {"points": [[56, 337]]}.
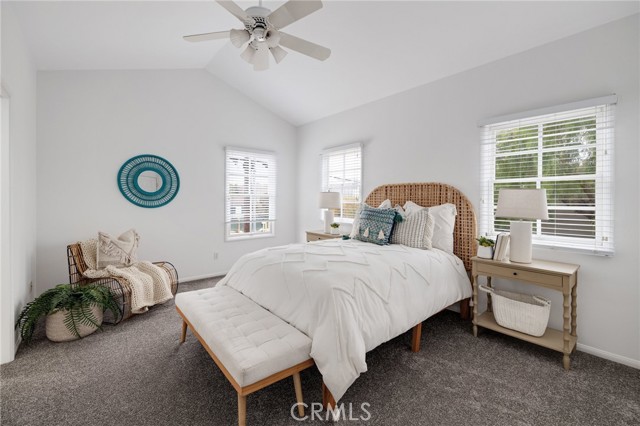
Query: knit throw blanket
{"points": [[150, 285]]}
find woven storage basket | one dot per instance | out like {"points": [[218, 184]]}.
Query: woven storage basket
{"points": [[520, 312], [58, 332]]}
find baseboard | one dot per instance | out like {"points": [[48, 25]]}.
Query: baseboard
{"points": [[203, 277], [608, 355]]}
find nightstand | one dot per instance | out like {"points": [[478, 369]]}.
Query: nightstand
{"points": [[562, 277], [320, 235]]}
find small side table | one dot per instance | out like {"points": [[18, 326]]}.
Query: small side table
{"points": [[320, 235], [562, 277]]}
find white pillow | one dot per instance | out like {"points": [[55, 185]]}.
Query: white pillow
{"points": [[120, 251], [444, 217], [415, 230], [386, 204]]}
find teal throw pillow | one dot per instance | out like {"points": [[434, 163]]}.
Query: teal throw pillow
{"points": [[375, 225]]}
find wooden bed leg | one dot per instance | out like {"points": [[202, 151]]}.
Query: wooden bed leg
{"points": [[415, 338], [242, 410], [327, 399], [183, 335], [297, 384], [464, 309]]}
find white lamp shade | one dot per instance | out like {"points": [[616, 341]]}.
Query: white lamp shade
{"points": [[523, 204], [239, 37], [261, 58], [248, 53], [329, 200]]}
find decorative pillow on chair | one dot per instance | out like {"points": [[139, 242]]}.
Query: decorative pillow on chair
{"points": [[416, 230], [386, 204], [375, 225], [119, 251], [444, 219]]}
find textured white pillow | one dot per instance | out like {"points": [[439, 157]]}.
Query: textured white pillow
{"points": [[415, 230], [444, 218], [119, 251], [386, 204]]}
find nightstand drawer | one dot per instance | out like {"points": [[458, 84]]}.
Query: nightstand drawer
{"points": [[320, 235], [518, 274]]}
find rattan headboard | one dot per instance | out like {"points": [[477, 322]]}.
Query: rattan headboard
{"points": [[432, 194]]}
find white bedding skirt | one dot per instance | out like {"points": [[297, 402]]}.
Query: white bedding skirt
{"points": [[349, 296]]}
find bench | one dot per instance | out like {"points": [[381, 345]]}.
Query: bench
{"points": [[253, 347]]}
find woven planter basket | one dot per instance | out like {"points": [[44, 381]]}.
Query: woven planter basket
{"points": [[520, 312], [58, 332]]}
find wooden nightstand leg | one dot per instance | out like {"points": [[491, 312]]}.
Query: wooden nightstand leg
{"points": [[475, 305], [489, 306], [566, 328], [574, 309]]}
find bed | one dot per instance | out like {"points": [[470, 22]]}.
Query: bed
{"points": [[350, 296]]}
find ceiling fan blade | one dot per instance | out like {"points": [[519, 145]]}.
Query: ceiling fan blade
{"points": [[207, 36], [261, 57], [236, 11], [292, 11], [305, 47], [278, 53]]}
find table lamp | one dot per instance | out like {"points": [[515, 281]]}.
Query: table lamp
{"points": [[526, 205], [328, 200]]}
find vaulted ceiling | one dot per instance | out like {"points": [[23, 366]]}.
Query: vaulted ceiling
{"points": [[378, 47]]}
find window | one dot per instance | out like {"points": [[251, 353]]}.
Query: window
{"points": [[342, 172], [569, 152], [250, 188]]}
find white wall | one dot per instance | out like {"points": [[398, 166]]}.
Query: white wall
{"points": [[18, 179], [91, 122], [430, 134]]}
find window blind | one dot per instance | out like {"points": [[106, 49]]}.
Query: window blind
{"points": [[250, 189], [342, 172], [568, 153]]}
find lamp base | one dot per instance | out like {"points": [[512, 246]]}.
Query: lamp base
{"points": [[520, 242], [328, 220]]}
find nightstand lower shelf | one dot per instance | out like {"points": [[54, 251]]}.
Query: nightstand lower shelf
{"points": [[551, 339]]}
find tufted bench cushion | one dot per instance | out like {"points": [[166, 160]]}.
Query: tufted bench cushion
{"points": [[251, 342]]}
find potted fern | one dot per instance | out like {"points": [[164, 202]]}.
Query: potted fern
{"points": [[72, 312]]}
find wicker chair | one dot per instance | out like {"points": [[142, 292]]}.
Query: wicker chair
{"points": [[119, 286]]}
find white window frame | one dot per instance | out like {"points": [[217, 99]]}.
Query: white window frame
{"points": [[603, 242], [253, 233], [340, 150]]}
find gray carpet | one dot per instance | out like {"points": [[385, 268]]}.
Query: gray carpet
{"points": [[137, 374]]}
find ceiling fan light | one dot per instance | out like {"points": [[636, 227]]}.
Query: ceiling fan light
{"points": [[239, 37], [278, 53], [248, 53], [261, 58], [273, 38]]}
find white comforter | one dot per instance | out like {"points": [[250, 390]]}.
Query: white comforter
{"points": [[349, 296]]}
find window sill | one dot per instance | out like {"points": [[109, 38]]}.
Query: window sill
{"points": [[570, 249], [247, 237]]}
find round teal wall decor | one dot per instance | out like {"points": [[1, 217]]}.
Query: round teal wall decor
{"points": [[148, 181]]}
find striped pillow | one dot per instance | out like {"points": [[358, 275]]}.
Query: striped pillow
{"points": [[416, 230]]}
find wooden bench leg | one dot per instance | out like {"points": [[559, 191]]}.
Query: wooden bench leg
{"points": [[297, 384], [183, 336], [415, 338], [242, 410], [328, 402], [465, 309]]}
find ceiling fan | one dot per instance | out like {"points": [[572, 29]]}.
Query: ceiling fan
{"points": [[262, 32]]}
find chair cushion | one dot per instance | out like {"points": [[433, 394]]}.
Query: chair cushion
{"points": [[251, 342]]}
